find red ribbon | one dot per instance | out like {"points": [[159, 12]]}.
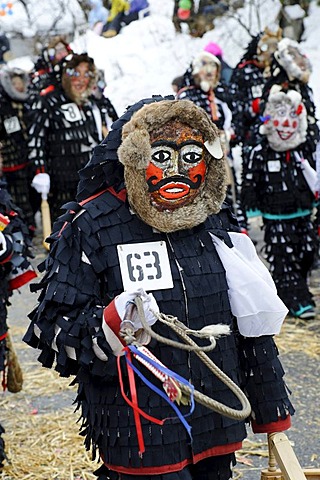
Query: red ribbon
{"points": [[134, 402]]}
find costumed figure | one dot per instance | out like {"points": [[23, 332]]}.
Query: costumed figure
{"points": [[291, 69], [246, 86], [17, 169], [149, 218], [15, 271], [279, 182], [65, 126], [203, 87], [46, 71], [226, 70], [245, 90]]}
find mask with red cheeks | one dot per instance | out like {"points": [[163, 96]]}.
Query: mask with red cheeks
{"points": [[177, 168], [285, 121]]}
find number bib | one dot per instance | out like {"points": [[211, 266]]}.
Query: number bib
{"points": [[12, 125], [145, 265], [71, 112], [274, 165], [256, 91]]}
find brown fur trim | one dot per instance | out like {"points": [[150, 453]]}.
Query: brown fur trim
{"points": [[135, 154]]}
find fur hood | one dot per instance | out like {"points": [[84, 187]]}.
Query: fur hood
{"points": [[135, 154], [6, 75], [285, 60]]}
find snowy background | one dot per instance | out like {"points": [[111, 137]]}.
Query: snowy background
{"points": [[146, 55]]}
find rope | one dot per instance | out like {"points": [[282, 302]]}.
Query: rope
{"points": [[182, 331]]}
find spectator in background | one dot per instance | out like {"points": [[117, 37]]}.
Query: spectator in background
{"points": [[98, 15], [226, 70], [122, 13]]}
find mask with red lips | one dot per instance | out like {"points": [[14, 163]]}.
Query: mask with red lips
{"points": [[285, 120], [174, 169], [177, 168]]}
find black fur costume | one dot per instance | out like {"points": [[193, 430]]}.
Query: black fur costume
{"points": [[63, 134], [83, 276], [15, 271]]}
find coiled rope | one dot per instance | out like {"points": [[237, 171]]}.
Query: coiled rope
{"points": [[182, 331]]}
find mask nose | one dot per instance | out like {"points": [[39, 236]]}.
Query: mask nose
{"points": [[286, 123]]}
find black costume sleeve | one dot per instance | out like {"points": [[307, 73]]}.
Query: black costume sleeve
{"points": [[263, 379], [38, 124], [68, 315]]}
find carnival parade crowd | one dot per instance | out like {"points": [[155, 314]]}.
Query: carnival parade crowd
{"points": [[150, 217]]}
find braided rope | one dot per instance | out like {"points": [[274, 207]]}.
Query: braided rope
{"points": [[190, 345]]}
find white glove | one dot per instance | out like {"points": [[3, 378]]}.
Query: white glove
{"points": [[41, 183], [150, 305]]}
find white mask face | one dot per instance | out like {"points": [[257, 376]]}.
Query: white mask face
{"points": [[284, 127]]}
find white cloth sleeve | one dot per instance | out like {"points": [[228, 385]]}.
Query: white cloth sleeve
{"points": [[252, 292]]}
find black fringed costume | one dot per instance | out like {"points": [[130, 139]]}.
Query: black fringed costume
{"points": [[286, 202], [17, 169], [245, 90], [15, 271], [62, 136], [82, 276], [204, 100]]}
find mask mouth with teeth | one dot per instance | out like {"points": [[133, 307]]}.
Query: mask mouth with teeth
{"points": [[285, 120], [174, 169]]}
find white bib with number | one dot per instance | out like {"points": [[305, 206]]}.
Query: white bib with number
{"points": [[145, 265], [71, 112]]}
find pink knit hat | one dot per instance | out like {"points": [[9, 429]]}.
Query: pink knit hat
{"points": [[214, 49]]}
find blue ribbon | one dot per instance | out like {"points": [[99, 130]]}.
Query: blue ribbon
{"points": [[265, 119], [162, 394]]}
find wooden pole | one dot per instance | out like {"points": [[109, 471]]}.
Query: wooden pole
{"points": [[46, 222]]}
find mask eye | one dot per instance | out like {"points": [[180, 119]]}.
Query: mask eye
{"points": [[191, 157], [293, 114], [191, 154], [281, 112], [161, 156]]}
